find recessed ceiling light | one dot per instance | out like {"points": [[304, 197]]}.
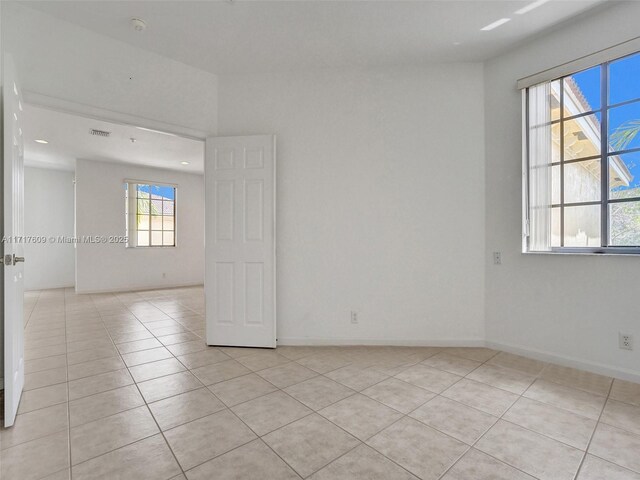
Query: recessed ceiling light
{"points": [[530, 7], [41, 141], [495, 24], [184, 163]]}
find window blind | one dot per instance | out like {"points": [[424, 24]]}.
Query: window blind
{"points": [[582, 63]]}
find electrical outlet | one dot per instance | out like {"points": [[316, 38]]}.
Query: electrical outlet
{"points": [[497, 258], [625, 341], [354, 317]]}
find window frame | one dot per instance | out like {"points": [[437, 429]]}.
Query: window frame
{"points": [[131, 219], [604, 156]]}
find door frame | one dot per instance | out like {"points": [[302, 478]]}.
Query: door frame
{"points": [[64, 106]]}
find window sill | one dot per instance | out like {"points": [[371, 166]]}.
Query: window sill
{"points": [[590, 253]]}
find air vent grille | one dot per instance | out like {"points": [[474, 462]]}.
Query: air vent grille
{"points": [[99, 133]]}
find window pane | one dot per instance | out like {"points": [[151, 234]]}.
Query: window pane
{"points": [[167, 239], [624, 126], [167, 223], [623, 79], [582, 137], [166, 192], [155, 214], [582, 226], [143, 206], [624, 224], [555, 185], [582, 92], [582, 181], [156, 207], [156, 222], [554, 100], [156, 239], [155, 191], [143, 238], [555, 227], [555, 143], [143, 222], [624, 175]]}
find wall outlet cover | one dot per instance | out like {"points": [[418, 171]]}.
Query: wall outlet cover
{"points": [[625, 341]]}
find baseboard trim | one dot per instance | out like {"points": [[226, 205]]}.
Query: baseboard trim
{"points": [[545, 356], [50, 287], [566, 361], [137, 288], [321, 341]]}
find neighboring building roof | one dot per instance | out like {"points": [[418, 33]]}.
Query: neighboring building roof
{"points": [[578, 94], [157, 202], [576, 103]]}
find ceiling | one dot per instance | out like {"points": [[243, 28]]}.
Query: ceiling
{"points": [[69, 138], [226, 37]]}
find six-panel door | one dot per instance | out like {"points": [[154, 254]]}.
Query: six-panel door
{"points": [[240, 241]]}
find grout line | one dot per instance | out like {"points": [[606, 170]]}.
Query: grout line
{"points": [[146, 403], [407, 415], [64, 295], [351, 363], [403, 416], [472, 446], [586, 450]]}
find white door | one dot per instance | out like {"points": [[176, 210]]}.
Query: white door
{"points": [[240, 267], [13, 211]]}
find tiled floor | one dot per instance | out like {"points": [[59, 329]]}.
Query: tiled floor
{"points": [[123, 386]]}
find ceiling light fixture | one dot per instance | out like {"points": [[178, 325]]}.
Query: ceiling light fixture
{"points": [[531, 6], [184, 163], [495, 24], [157, 131], [138, 24], [41, 141]]}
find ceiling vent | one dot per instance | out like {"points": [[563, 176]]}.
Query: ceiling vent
{"points": [[99, 133]]}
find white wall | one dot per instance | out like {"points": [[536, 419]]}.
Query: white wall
{"points": [[567, 307], [100, 206], [62, 60], [380, 199], [48, 212]]}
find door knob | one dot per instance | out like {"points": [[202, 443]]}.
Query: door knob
{"points": [[17, 259]]}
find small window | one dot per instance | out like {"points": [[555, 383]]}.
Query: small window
{"points": [[150, 211], [582, 187]]}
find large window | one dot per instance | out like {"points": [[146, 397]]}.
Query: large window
{"points": [[150, 214], [583, 161]]}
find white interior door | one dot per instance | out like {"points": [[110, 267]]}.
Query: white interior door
{"points": [[240, 288], [13, 211]]}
